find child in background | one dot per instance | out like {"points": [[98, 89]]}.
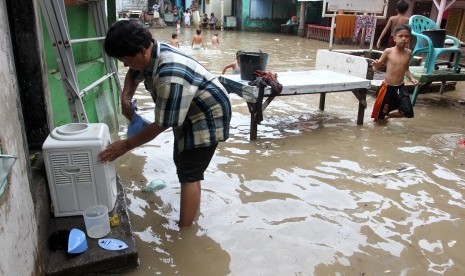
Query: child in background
{"points": [[204, 21], [187, 18], [393, 22], [213, 21], [235, 66], [393, 95], [174, 40], [197, 42], [175, 17], [215, 40]]}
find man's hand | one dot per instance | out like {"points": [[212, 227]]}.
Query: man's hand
{"points": [[414, 81], [114, 151], [378, 44]]}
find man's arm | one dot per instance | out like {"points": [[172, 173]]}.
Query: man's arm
{"points": [[120, 147], [129, 89]]}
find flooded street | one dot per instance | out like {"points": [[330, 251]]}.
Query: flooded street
{"points": [[301, 199]]}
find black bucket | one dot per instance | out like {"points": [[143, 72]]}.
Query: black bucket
{"points": [[251, 61], [437, 37]]}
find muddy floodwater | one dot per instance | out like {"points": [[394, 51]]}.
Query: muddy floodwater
{"points": [[302, 198]]}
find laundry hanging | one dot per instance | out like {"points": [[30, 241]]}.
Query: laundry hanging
{"points": [[344, 26], [366, 22]]}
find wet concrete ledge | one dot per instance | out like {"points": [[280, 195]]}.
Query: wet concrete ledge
{"points": [[93, 261]]}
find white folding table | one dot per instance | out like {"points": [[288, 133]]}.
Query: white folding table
{"points": [[296, 83]]}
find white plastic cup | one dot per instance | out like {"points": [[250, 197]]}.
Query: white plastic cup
{"points": [[97, 221]]}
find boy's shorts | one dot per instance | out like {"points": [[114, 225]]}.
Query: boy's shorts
{"points": [[395, 97], [191, 164]]}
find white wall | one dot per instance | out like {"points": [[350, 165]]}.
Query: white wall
{"points": [[215, 7], [18, 229]]}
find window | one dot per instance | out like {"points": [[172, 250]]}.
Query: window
{"points": [[271, 9], [261, 9]]}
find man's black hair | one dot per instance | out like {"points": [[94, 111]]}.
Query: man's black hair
{"points": [[127, 38], [402, 6], [402, 27], [174, 35]]}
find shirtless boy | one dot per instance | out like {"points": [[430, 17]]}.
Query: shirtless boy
{"points": [[174, 40], [393, 95], [215, 40], [393, 22], [197, 42]]}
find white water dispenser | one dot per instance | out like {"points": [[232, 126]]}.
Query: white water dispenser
{"points": [[76, 178]]}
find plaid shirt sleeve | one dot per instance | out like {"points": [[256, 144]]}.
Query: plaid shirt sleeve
{"points": [[173, 101]]}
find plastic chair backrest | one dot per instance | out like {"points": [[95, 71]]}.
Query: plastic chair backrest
{"points": [[420, 23]]}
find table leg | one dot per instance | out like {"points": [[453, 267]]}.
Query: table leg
{"points": [[322, 101], [361, 95], [256, 113], [261, 92], [253, 125]]}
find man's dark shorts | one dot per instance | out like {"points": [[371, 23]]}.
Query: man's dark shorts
{"points": [[191, 164]]}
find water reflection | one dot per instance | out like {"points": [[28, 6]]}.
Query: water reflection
{"points": [[302, 200]]}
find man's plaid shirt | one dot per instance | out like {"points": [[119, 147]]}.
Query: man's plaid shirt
{"points": [[187, 98]]}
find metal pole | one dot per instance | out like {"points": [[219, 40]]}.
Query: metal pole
{"points": [[331, 35]]}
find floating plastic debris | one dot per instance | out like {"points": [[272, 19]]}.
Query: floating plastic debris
{"points": [[154, 185], [402, 169]]}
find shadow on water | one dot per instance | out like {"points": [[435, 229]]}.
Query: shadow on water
{"points": [[301, 199]]}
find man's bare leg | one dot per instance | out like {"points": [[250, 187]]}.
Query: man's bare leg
{"points": [[190, 203]]}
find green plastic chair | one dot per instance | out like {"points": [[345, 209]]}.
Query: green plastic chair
{"points": [[424, 44]]}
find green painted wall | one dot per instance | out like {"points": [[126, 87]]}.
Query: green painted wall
{"points": [[89, 68], [265, 25]]}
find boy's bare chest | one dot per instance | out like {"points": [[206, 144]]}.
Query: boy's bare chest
{"points": [[398, 59]]}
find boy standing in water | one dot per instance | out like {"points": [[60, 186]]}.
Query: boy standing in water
{"points": [[393, 22], [197, 42], [235, 66], [174, 40], [215, 40], [393, 95]]}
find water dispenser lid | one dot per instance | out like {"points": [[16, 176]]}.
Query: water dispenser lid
{"points": [[72, 129], [78, 131]]}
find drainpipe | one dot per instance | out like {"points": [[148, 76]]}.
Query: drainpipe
{"points": [[302, 19]]}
